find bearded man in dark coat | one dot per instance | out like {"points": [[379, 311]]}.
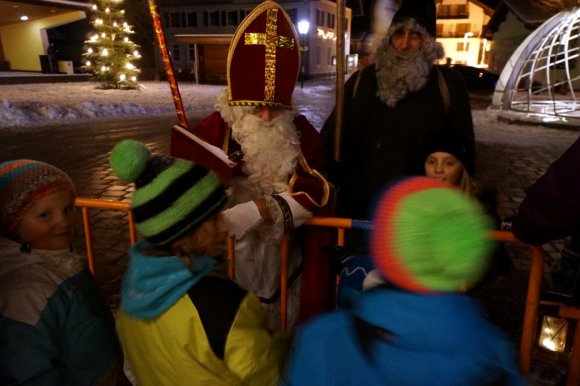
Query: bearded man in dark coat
{"points": [[393, 106]]}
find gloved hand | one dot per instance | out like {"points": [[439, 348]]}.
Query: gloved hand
{"points": [[242, 218], [299, 214]]}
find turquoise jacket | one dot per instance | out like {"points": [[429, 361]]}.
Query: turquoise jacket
{"points": [[54, 327], [177, 326]]}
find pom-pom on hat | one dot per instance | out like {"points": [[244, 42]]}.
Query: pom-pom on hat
{"points": [[422, 11], [263, 59], [22, 183], [429, 237], [172, 196]]}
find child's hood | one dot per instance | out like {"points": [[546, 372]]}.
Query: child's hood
{"points": [[13, 259], [152, 284]]}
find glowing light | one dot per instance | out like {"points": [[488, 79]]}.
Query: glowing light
{"points": [[90, 50], [88, 63], [23, 17], [103, 69], [136, 54], [325, 35], [99, 21], [107, 10], [114, 24], [134, 78], [94, 7], [553, 335], [122, 77], [126, 39], [129, 66], [103, 35], [105, 52]]}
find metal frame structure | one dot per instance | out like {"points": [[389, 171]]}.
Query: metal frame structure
{"points": [[541, 81]]}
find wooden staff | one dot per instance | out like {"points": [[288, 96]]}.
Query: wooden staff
{"points": [[340, 70], [168, 65]]}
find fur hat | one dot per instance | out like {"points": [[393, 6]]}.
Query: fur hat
{"points": [[22, 183], [452, 143], [429, 237], [172, 196], [422, 11], [263, 59]]}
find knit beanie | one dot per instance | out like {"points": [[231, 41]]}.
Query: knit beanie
{"points": [[428, 237], [422, 11], [172, 196], [452, 143], [22, 183]]}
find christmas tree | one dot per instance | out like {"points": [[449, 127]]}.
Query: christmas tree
{"points": [[109, 53]]}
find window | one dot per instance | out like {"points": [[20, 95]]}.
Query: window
{"points": [[439, 29], [329, 56], [211, 19], [176, 53], [166, 20], [175, 21], [460, 47], [461, 10], [462, 28], [192, 19], [330, 20], [232, 18], [319, 18], [444, 10]]}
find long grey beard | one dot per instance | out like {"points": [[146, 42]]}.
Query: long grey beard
{"points": [[400, 73]]}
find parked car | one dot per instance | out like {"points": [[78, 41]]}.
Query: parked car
{"points": [[477, 78]]}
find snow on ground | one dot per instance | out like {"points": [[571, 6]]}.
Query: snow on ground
{"points": [[33, 106]]}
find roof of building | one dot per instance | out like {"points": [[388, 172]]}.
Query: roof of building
{"points": [[527, 11]]}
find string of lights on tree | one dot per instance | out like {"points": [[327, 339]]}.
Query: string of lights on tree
{"points": [[109, 52]]}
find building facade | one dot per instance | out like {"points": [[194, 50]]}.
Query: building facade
{"points": [[198, 35], [460, 26]]}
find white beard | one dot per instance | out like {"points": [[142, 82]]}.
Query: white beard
{"points": [[270, 149], [399, 73]]}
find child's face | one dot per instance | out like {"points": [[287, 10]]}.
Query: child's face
{"points": [[444, 167], [49, 224]]}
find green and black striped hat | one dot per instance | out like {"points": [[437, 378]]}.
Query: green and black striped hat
{"points": [[172, 196]]}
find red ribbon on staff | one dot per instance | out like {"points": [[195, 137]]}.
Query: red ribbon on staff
{"points": [[168, 65]]}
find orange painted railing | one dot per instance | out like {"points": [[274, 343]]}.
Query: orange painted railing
{"points": [[532, 304]]}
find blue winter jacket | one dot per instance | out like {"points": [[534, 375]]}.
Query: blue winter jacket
{"points": [[54, 327], [414, 339]]}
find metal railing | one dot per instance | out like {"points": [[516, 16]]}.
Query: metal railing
{"points": [[532, 303]]}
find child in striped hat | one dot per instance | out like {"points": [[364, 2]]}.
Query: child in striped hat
{"points": [[181, 320], [429, 244], [55, 329]]}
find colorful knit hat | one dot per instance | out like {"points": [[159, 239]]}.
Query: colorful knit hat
{"points": [[22, 183], [429, 237], [263, 59], [172, 196], [422, 11]]}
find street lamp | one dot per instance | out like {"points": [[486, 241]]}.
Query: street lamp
{"points": [[303, 27]]}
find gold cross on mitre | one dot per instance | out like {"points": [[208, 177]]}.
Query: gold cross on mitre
{"points": [[270, 40]]}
